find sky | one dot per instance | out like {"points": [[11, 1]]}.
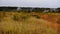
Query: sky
{"points": [[31, 3]]}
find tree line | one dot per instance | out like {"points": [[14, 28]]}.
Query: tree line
{"points": [[30, 9]]}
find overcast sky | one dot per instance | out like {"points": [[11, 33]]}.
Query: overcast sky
{"points": [[31, 3]]}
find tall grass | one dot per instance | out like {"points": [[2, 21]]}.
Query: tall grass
{"points": [[25, 23]]}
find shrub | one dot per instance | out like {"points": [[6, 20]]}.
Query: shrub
{"points": [[15, 18], [36, 16]]}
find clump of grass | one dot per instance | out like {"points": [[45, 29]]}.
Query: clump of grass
{"points": [[9, 32], [15, 18], [0, 19], [36, 16], [2, 15], [58, 21], [19, 18], [58, 32], [24, 17]]}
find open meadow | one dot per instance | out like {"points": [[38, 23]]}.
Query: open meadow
{"points": [[29, 23]]}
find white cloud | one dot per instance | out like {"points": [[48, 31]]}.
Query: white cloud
{"points": [[31, 3]]}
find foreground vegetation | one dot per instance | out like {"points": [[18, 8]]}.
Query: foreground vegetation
{"points": [[29, 23]]}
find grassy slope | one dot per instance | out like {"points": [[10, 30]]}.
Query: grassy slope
{"points": [[26, 23]]}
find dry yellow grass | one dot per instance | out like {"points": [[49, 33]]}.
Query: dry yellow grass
{"points": [[24, 23]]}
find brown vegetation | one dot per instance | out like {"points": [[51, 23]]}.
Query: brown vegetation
{"points": [[29, 23]]}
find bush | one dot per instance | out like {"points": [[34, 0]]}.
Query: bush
{"points": [[15, 18], [36, 16]]}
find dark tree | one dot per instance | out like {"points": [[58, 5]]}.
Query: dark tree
{"points": [[58, 9]]}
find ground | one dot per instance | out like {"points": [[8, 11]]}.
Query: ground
{"points": [[29, 23]]}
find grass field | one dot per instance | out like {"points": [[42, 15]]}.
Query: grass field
{"points": [[29, 23]]}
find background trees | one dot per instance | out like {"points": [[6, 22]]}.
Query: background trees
{"points": [[30, 9]]}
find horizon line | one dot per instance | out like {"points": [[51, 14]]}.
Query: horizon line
{"points": [[30, 6]]}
